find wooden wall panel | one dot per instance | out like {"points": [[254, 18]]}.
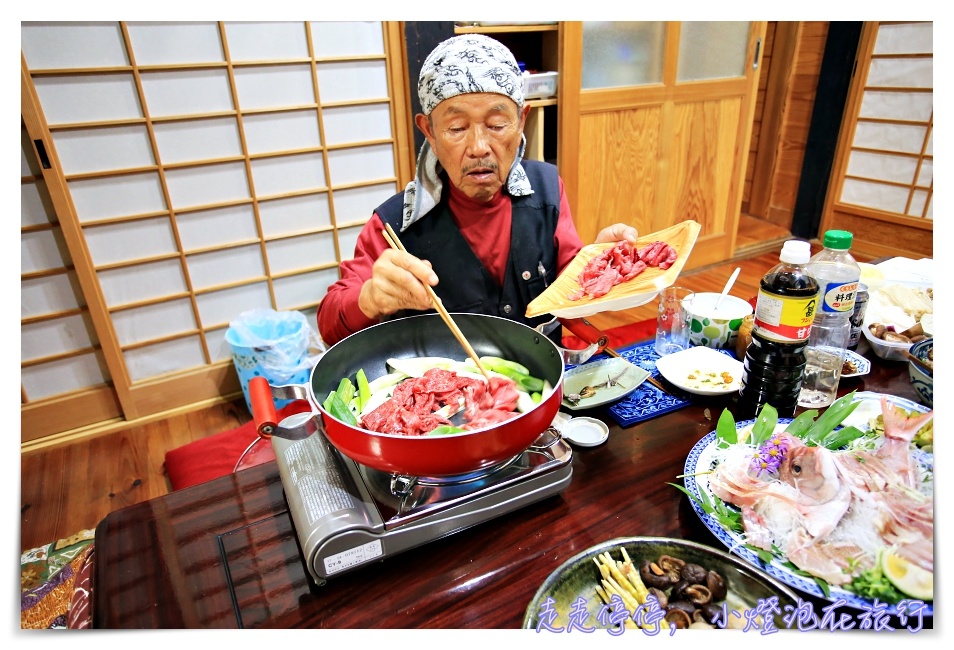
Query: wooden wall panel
{"points": [[704, 135], [765, 68], [875, 238], [797, 116], [612, 158], [781, 132]]}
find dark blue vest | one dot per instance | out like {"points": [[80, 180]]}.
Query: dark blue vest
{"points": [[465, 285]]}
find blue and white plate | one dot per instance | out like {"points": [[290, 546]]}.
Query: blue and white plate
{"points": [[862, 365], [647, 401], [699, 463]]}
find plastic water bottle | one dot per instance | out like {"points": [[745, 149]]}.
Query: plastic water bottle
{"points": [[838, 276], [775, 359]]}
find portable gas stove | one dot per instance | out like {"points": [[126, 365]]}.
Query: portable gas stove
{"points": [[348, 515]]}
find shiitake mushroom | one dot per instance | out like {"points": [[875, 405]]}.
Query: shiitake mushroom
{"points": [[672, 566], [678, 591], [698, 594], [693, 574], [686, 591], [660, 597], [678, 618], [684, 605], [716, 584], [709, 612], [654, 575]]}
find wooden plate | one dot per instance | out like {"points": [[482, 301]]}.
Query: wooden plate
{"points": [[641, 289]]}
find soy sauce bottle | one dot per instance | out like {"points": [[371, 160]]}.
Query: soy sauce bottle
{"points": [[774, 363]]}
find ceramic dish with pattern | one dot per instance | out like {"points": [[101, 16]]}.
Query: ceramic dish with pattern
{"points": [[699, 465], [860, 365], [575, 581], [648, 401], [623, 376], [702, 371]]}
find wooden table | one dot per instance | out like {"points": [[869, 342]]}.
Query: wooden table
{"points": [[224, 554]]}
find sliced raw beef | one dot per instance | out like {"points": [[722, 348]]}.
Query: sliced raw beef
{"points": [[411, 411], [619, 264]]}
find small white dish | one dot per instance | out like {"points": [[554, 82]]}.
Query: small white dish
{"points": [[628, 376], [585, 432], [862, 365], [700, 370]]}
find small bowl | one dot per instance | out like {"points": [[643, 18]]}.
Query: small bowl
{"points": [[713, 328], [922, 380], [888, 350]]}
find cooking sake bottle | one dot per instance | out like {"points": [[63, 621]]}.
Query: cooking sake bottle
{"points": [[774, 363]]}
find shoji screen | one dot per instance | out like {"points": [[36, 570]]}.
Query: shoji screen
{"points": [[882, 182], [891, 162], [198, 170]]}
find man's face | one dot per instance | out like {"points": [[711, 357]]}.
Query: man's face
{"points": [[475, 136]]}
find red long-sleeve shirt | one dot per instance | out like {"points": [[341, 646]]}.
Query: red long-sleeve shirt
{"points": [[479, 223]]}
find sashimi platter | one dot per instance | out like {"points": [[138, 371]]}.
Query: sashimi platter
{"points": [[839, 505]]}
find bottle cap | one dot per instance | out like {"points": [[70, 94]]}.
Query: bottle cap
{"points": [[795, 252], [838, 239]]}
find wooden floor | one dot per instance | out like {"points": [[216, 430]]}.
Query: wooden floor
{"points": [[69, 488]]}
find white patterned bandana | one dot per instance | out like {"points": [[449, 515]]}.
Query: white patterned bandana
{"points": [[469, 63]]}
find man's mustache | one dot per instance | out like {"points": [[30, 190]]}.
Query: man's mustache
{"points": [[480, 164]]}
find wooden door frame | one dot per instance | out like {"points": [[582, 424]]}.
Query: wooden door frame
{"points": [[573, 104]]}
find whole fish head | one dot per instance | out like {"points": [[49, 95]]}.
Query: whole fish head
{"points": [[811, 471]]}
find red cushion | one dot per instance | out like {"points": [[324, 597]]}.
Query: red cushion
{"points": [[214, 456]]}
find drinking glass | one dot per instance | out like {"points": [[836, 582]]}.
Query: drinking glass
{"points": [[672, 320]]}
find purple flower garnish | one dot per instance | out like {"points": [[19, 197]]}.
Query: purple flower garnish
{"points": [[769, 456]]}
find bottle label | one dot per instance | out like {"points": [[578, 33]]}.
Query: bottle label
{"points": [[839, 298], [785, 318]]}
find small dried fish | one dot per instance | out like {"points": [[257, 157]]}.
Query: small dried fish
{"points": [[590, 391]]}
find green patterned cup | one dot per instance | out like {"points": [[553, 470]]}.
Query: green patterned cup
{"points": [[716, 329]]}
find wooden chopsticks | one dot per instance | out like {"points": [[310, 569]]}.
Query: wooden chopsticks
{"points": [[396, 244], [919, 363]]}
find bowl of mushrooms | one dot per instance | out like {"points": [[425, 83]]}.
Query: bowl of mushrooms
{"points": [[688, 585], [897, 317]]}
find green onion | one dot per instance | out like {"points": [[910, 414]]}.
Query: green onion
{"points": [[345, 391], [725, 429], [505, 366], [364, 389], [831, 418], [339, 409], [764, 425]]}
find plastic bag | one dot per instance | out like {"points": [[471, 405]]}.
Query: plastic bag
{"points": [[280, 346]]}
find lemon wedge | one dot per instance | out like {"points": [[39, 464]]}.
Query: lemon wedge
{"points": [[907, 576]]}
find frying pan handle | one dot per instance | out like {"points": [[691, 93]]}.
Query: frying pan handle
{"points": [[586, 331], [263, 406]]}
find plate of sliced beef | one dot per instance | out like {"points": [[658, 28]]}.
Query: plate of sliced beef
{"points": [[618, 275]]}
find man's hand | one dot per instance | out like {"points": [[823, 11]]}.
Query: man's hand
{"points": [[617, 232], [396, 284]]}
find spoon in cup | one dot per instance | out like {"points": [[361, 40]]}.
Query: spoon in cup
{"points": [[728, 285]]}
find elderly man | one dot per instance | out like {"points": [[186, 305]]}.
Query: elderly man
{"points": [[488, 230]]}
